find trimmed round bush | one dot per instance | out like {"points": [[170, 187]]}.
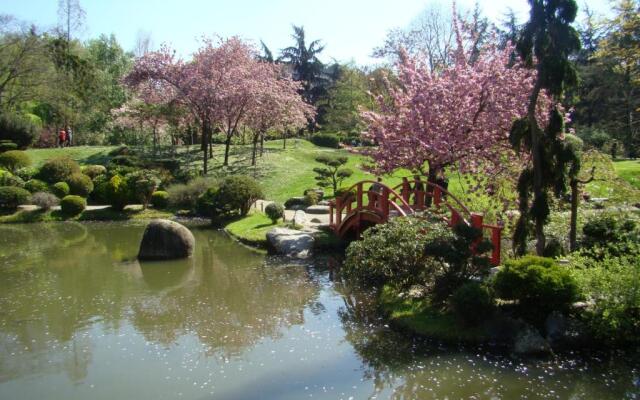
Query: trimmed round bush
{"points": [[11, 197], [58, 169], [160, 199], [295, 202], [44, 200], [18, 129], [142, 184], [26, 173], [93, 171], [326, 140], [14, 160], [274, 211], [537, 283], [7, 146], [36, 185], [116, 192], [236, 194], [73, 205], [60, 189], [9, 179], [472, 303], [311, 198], [80, 185]]}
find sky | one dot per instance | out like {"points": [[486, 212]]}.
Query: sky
{"points": [[350, 29]]}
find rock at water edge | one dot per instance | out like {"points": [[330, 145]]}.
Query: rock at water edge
{"points": [[166, 240]]}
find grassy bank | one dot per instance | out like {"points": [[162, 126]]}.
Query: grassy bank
{"points": [[252, 229], [629, 171], [417, 316], [106, 214], [84, 155]]}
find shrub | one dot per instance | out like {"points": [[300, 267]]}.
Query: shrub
{"points": [[553, 248], [80, 185], [274, 211], [608, 234], [537, 283], [326, 140], [463, 253], [73, 205], [44, 200], [343, 191], [310, 198], [393, 253], [472, 303], [14, 160], [160, 199], [7, 146], [142, 184], [185, 196], [18, 129], [126, 161], [60, 189], [36, 185], [206, 203], [26, 173], [11, 197], [612, 285], [116, 192], [9, 179], [295, 202], [93, 171], [119, 151], [58, 169], [235, 194]]}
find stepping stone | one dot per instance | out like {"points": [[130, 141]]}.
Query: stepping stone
{"points": [[317, 209]]}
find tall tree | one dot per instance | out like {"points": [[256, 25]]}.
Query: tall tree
{"points": [[547, 41]]}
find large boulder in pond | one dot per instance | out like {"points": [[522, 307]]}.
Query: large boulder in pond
{"points": [[166, 240], [291, 243]]}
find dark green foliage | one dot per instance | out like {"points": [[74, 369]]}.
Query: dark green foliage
{"points": [[7, 146], [274, 211], [35, 185], [463, 253], [235, 194], [553, 248], [538, 284], [18, 129], [80, 185], [295, 202], [9, 179], [44, 200], [160, 199], [326, 140], [60, 189], [73, 205], [126, 161], [311, 198], [93, 171], [206, 202], [608, 234], [142, 184], [14, 159], [394, 253], [58, 169], [472, 303], [333, 173], [116, 192], [548, 39], [11, 197], [119, 151]]}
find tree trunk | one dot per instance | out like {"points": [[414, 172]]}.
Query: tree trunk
{"points": [[227, 146], [574, 215], [255, 150], [538, 189], [284, 140], [204, 146], [261, 145], [432, 177]]}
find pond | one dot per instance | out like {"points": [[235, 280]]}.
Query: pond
{"points": [[81, 319]]}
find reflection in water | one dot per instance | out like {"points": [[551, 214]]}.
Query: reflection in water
{"points": [[80, 318]]}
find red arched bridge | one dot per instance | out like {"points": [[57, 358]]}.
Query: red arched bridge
{"points": [[359, 209]]}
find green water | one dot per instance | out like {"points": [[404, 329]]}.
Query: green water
{"points": [[81, 319]]}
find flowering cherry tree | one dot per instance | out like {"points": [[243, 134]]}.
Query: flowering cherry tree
{"points": [[459, 115]]}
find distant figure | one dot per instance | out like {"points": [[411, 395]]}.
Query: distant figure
{"points": [[69, 136], [374, 192], [62, 137]]}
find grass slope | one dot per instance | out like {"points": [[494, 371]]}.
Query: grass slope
{"points": [[252, 229], [629, 171], [84, 155]]}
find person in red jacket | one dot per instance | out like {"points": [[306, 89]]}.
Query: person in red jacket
{"points": [[62, 137]]}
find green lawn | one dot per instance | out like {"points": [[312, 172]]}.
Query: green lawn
{"points": [[629, 171], [85, 155], [252, 230]]}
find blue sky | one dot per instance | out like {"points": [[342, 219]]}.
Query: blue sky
{"points": [[349, 28]]}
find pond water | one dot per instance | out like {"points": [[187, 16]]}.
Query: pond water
{"points": [[81, 319]]}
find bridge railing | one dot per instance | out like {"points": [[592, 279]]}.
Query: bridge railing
{"points": [[407, 198]]}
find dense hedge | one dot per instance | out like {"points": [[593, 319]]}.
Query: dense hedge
{"points": [[73, 205], [160, 199], [18, 129], [326, 140], [58, 169], [36, 185], [11, 197]]}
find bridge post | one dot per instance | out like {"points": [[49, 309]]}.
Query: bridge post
{"points": [[455, 218], [476, 220], [359, 196], [437, 196], [338, 212], [331, 208], [496, 233], [406, 190]]}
